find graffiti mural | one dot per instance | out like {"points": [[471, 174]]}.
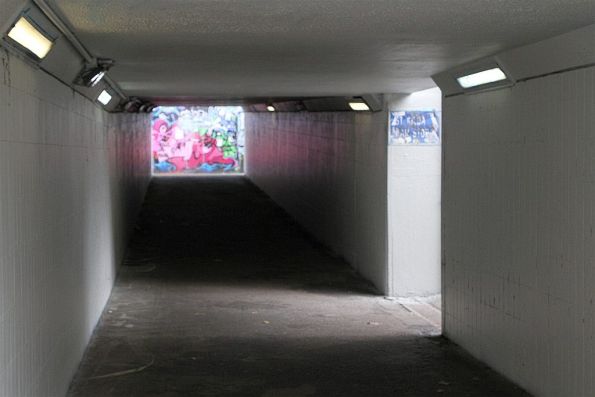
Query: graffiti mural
{"points": [[414, 128], [197, 140]]}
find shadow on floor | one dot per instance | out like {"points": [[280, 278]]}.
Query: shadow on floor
{"points": [[222, 294]]}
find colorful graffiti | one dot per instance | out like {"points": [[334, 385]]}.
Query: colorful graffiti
{"points": [[414, 128], [197, 140]]}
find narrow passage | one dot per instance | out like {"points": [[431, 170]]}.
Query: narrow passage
{"points": [[222, 294]]}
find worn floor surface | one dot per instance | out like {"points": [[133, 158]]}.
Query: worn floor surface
{"points": [[223, 295]]}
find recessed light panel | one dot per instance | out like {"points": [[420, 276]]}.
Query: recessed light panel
{"points": [[482, 78], [104, 97], [24, 33], [359, 106], [271, 108]]}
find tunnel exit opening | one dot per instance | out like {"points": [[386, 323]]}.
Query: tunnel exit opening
{"points": [[197, 140], [414, 201]]}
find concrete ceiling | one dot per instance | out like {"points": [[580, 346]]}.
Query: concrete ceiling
{"points": [[268, 48]]}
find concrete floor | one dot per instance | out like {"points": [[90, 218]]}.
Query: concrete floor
{"points": [[223, 295]]}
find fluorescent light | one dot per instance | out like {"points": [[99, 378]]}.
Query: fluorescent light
{"points": [[93, 74], [89, 77], [271, 108], [359, 106], [482, 78], [104, 97], [97, 78], [29, 37]]}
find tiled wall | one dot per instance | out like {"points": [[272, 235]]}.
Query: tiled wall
{"points": [[519, 230], [328, 170], [71, 180]]}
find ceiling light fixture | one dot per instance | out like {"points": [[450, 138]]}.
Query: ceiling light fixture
{"points": [[271, 108], [132, 105], [359, 106], [90, 76], [482, 78], [28, 36], [104, 97], [146, 107]]}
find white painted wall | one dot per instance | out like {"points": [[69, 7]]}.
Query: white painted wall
{"points": [[328, 170], [414, 194], [519, 221], [71, 180]]}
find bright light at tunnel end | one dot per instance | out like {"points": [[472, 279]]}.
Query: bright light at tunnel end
{"points": [[482, 78]]}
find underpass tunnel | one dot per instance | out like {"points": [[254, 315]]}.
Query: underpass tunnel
{"points": [[296, 198]]}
